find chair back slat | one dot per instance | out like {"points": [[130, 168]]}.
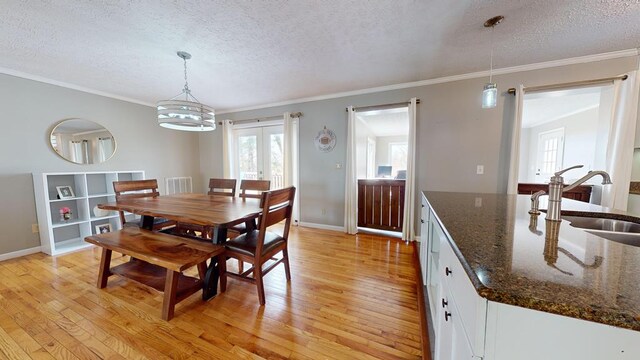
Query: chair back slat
{"points": [[253, 188], [134, 189], [223, 187], [277, 205], [121, 188], [276, 215]]}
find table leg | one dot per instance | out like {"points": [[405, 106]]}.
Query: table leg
{"points": [[146, 222], [210, 284], [219, 235], [250, 225]]}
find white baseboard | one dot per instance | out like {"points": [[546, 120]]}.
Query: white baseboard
{"points": [[20, 253], [322, 226], [416, 238]]}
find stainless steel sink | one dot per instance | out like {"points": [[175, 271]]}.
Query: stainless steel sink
{"points": [[596, 223], [625, 232]]}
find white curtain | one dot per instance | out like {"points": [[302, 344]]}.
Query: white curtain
{"points": [[351, 178], [408, 225], [105, 149], [621, 141], [514, 165], [79, 151], [227, 149], [290, 160]]}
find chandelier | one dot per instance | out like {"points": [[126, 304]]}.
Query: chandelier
{"points": [[188, 114]]}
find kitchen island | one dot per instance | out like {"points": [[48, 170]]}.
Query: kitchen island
{"points": [[503, 284]]}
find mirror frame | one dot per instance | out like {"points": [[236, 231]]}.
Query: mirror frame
{"points": [[53, 129]]}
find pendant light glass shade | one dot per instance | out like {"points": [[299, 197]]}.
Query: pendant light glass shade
{"points": [[490, 90], [188, 114], [489, 95]]}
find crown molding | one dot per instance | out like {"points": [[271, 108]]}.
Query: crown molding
{"points": [[63, 84], [474, 75], [445, 79]]}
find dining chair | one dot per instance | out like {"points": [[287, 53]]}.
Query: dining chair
{"points": [[135, 189], [258, 247], [220, 187], [253, 188], [223, 187], [250, 189]]}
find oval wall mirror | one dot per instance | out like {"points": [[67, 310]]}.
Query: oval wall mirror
{"points": [[82, 141]]}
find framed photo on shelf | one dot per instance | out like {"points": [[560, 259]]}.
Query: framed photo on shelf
{"points": [[65, 192], [103, 229]]}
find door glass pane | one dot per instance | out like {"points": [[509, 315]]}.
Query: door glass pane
{"points": [[276, 160], [248, 157]]}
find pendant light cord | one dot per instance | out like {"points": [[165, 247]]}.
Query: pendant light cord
{"points": [[491, 61]]}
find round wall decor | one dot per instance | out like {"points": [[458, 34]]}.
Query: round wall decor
{"points": [[325, 140]]}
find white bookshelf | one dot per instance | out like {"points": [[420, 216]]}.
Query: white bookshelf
{"points": [[58, 236]]}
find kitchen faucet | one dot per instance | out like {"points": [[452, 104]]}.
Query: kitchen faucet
{"points": [[556, 188]]}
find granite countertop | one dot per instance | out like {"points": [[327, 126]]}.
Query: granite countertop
{"points": [[514, 258]]}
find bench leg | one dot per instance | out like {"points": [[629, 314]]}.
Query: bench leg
{"points": [[170, 289], [104, 272], [202, 270]]}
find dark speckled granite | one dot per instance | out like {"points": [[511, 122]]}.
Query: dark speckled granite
{"points": [[634, 188], [514, 258]]}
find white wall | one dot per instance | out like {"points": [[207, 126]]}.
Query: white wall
{"points": [[580, 138], [382, 149], [30, 109], [363, 133], [454, 135]]}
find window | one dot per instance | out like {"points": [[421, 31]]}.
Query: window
{"points": [[398, 157]]}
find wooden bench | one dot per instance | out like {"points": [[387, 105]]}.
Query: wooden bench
{"points": [[158, 260]]}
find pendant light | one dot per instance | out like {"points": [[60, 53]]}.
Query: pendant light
{"points": [[188, 114], [490, 90]]}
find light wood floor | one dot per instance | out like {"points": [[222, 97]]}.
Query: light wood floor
{"points": [[349, 298]]}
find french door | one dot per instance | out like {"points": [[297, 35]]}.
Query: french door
{"points": [[259, 154], [550, 154]]}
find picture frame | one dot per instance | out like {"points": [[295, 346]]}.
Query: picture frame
{"points": [[65, 192], [103, 229]]}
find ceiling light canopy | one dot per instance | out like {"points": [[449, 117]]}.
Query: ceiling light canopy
{"points": [[490, 89], [188, 114]]}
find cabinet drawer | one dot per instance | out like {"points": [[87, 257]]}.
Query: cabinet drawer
{"points": [[471, 307]]}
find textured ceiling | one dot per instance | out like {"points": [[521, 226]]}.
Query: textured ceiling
{"points": [[255, 52], [390, 122], [541, 108]]}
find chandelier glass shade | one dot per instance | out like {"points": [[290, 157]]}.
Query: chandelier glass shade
{"points": [[186, 114]]}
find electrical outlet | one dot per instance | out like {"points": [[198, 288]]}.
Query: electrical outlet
{"points": [[480, 169], [35, 229], [324, 211], [338, 166], [478, 202]]}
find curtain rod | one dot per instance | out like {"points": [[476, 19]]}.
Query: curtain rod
{"points": [[275, 117], [512, 91], [379, 107]]}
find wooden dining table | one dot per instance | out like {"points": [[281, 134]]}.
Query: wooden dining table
{"points": [[216, 214]]}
